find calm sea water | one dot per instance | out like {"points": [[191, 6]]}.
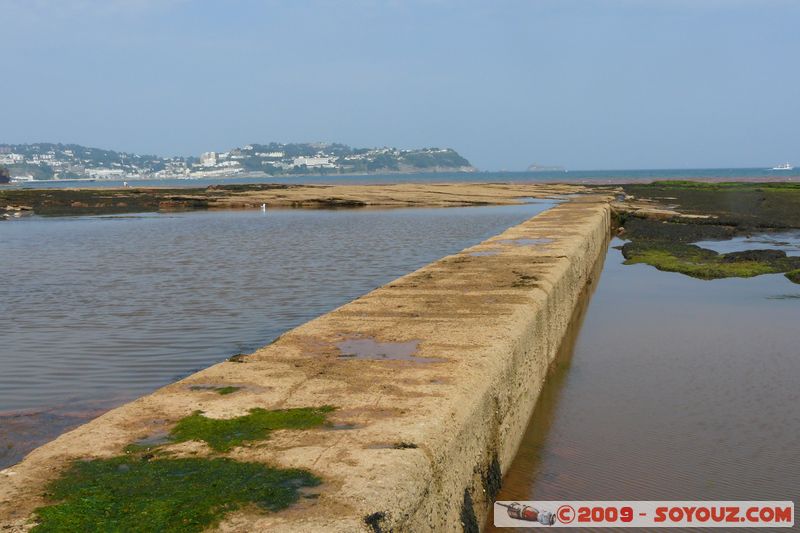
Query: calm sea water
{"points": [[99, 310], [675, 389], [788, 242], [578, 176]]}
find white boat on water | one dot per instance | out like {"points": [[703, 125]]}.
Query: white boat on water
{"points": [[785, 166]]}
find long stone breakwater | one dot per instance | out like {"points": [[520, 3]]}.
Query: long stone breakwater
{"points": [[399, 411]]}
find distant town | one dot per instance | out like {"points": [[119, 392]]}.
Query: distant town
{"points": [[46, 161]]}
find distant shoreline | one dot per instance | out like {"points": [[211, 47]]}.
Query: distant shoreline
{"points": [[45, 161], [264, 175], [438, 175]]}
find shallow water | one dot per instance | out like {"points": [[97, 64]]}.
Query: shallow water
{"points": [[677, 389], [789, 242], [369, 348], [100, 310]]}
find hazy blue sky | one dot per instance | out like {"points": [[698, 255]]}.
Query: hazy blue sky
{"points": [[582, 83]]}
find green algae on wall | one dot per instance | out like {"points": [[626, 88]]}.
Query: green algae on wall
{"points": [[222, 391], [144, 491], [166, 495], [222, 434]]}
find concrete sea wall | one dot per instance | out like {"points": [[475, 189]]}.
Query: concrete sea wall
{"points": [[433, 378]]}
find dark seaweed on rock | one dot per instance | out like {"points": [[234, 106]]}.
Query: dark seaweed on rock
{"points": [[728, 210], [648, 229], [703, 263], [743, 205]]}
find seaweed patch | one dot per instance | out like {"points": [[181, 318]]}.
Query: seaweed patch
{"points": [[222, 434], [175, 495]]}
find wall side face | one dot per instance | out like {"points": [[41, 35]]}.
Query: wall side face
{"points": [[499, 419], [428, 435]]}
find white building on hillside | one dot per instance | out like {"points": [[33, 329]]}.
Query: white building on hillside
{"points": [[208, 159], [105, 173], [10, 159], [314, 162]]}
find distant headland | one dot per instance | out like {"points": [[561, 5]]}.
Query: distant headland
{"points": [[48, 161]]}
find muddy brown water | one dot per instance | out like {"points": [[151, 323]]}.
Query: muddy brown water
{"points": [[100, 310], [672, 389]]}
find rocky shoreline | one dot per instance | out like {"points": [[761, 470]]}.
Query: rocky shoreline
{"points": [[662, 220], [69, 202]]}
